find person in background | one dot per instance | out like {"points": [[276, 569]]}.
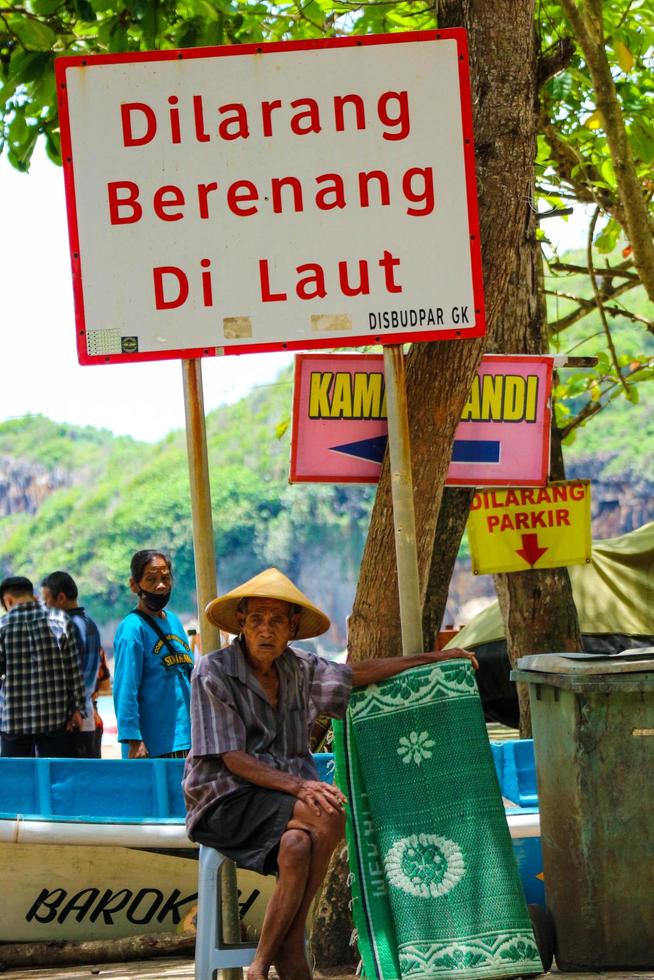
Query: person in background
{"points": [[102, 689], [59, 591], [152, 667], [42, 687]]}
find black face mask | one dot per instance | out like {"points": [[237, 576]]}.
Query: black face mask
{"points": [[154, 601]]}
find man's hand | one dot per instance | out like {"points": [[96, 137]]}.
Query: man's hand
{"points": [[456, 653], [320, 797], [74, 723], [137, 750]]}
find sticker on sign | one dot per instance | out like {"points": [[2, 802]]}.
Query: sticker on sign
{"points": [[258, 197]]}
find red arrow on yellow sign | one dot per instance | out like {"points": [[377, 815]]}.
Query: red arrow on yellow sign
{"points": [[530, 550]]}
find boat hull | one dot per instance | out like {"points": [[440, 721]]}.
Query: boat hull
{"points": [[82, 892]]}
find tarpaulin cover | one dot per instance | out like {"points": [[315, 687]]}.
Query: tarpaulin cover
{"points": [[613, 594]]}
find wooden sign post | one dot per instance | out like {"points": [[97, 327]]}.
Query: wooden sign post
{"points": [[404, 521], [204, 555]]}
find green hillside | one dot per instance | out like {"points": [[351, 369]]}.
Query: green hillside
{"points": [[127, 495]]}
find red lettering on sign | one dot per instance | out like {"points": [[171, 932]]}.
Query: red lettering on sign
{"points": [[129, 200], [363, 286], [424, 196], [401, 119], [235, 126], [168, 196], [264, 279], [388, 263], [127, 110], [201, 134], [203, 196], [266, 113], [311, 113], [239, 193], [312, 286], [337, 189], [160, 300]]}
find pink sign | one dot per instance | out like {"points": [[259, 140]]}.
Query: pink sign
{"points": [[340, 429]]}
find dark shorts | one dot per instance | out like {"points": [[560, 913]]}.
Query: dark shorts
{"points": [[247, 826]]}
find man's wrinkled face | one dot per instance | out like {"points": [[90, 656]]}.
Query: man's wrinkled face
{"points": [[267, 627]]}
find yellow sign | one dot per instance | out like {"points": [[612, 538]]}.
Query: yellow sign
{"points": [[511, 530]]}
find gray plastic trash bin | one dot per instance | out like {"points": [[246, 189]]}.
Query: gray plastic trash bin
{"points": [[593, 727]]}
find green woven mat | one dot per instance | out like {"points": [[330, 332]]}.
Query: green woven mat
{"points": [[435, 887]]}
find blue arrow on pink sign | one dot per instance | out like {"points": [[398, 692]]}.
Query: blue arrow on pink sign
{"points": [[340, 431]]}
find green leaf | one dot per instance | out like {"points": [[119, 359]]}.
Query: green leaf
{"points": [[84, 11], [138, 8], [641, 137], [26, 67], [53, 146], [33, 33], [623, 55], [118, 38], [281, 427], [608, 237], [45, 7], [608, 173]]}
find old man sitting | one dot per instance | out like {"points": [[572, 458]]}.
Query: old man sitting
{"points": [[251, 786]]}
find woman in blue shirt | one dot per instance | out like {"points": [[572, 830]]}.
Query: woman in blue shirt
{"points": [[152, 667]]}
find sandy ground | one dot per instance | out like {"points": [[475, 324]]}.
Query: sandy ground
{"points": [[183, 969]]}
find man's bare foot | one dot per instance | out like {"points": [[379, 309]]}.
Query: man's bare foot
{"points": [[257, 972], [291, 964]]}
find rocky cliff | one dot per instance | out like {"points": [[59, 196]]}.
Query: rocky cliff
{"points": [[26, 484]]}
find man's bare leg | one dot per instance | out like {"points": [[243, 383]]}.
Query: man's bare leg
{"points": [[294, 863], [325, 830]]}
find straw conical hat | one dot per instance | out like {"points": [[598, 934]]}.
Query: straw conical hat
{"points": [[270, 584]]}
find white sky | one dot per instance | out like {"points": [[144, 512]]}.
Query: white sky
{"points": [[40, 373]]}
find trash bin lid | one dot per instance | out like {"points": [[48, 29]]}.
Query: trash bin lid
{"points": [[636, 660]]}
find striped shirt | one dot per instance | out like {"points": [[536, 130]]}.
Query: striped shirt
{"points": [[231, 713], [39, 664]]}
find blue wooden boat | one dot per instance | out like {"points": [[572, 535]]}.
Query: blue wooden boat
{"points": [[96, 848]]}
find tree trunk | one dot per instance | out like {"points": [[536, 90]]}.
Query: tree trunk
{"points": [[332, 927], [537, 607], [539, 617], [503, 73], [452, 518], [96, 950], [439, 375]]}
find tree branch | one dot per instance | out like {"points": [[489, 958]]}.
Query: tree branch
{"points": [[555, 59], [610, 272], [587, 306], [579, 173], [593, 407], [588, 26], [599, 302]]}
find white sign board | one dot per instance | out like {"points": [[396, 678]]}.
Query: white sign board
{"points": [[287, 195]]}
